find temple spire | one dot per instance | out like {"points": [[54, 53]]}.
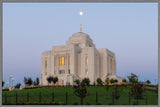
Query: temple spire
{"points": [[80, 27]]}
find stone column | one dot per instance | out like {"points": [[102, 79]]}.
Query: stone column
{"points": [[57, 58], [66, 63], [97, 71], [109, 65], [55, 66], [52, 63], [73, 61], [112, 66]]}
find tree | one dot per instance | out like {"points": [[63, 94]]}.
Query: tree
{"points": [[99, 81], [17, 86], [107, 82], [37, 81], [30, 81], [86, 81], [148, 82], [3, 83], [50, 79], [132, 78], [115, 81], [25, 80], [112, 81], [55, 79], [80, 90], [117, 91], [107, 79], [137, 90], [124, 80], [34, 83], [77, 82]]}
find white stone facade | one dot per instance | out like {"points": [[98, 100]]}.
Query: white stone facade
{"points": [[76, 60]]}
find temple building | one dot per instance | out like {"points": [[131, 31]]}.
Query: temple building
{"points": [[76, 60]]}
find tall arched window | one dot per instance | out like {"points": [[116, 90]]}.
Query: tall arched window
{"points": [[86, 72], [69, 60], [86, 60], [45, 63], [61, 61]]}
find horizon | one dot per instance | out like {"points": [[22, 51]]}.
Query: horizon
{"points": [[130, 30]]}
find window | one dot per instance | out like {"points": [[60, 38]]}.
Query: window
{"points": [[77, 45], [86, 72], [86, 60], [61, 61], [69, 60], [45, 63], [69, 71], [45, 73], [61, 71], [67, 83]]}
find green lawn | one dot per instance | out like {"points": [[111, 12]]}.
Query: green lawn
{"points": [[59, 93]]}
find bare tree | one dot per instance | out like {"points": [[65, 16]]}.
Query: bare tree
{"points": [[80, 90]]}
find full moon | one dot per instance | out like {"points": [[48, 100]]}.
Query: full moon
{"points": [[81, 13]]}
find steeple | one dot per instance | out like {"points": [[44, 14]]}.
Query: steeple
{"points": [[80, 27]]}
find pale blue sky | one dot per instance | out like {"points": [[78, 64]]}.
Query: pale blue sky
{"points": [[130, 30]]}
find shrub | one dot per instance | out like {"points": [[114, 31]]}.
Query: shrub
{"points": [[86, 81], [112, 81], [124, 80], [115, 81], [50, 79], [17, 86], [77, 82], [99, 81], [55, 79], [148, 82]]}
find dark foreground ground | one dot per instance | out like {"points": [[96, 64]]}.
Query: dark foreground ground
{"points": [[65, 95]]}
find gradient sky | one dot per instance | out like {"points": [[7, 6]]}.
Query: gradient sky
{"points": [[130, 30]]}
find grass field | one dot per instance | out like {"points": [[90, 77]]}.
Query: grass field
{"points": [[58, 94]]}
